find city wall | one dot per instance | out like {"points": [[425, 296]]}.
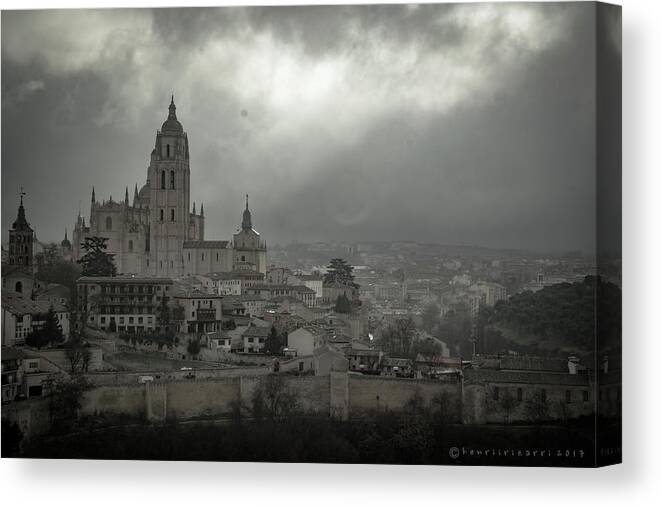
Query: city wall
{"points": [[213, 395], [339, 394]]}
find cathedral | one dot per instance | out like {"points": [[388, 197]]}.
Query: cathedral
{"points": [[157, 233]]}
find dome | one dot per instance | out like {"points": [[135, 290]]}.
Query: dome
{"points": [[172, 124]]}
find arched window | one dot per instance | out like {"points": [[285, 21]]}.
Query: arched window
{"points": [[163, 180], [172, 215], [162, 214], [168, 150], [108, 223], [172, 180], [130, 245], [19, 287]]}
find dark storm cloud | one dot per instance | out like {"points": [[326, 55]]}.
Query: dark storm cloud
{"points": [[455, 124]]}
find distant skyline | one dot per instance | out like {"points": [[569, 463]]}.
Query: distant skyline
{"points": [[463, 124]]}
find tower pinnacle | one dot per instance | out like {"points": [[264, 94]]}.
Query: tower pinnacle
{"points": [[246, 223]]}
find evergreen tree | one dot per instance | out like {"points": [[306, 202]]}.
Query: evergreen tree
{"points": [[273, 343], [96, 261], [339, 271], [49, 333], [342, 304]]}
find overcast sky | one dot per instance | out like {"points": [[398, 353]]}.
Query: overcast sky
{"points": [[469, 124]]}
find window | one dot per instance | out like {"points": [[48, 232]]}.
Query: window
{"points": [[108, 223], [172, 180], [496, 393], [18, 287], [130, 245], [162, 180], [188, 256], [586, 396], [243, 258], [162, 215], [543, 395], [519, 394], [202, 256], [568, 396], [168, 150], [172, 215]]}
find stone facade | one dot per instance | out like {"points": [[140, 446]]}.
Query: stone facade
{"points": [[157, 234]]}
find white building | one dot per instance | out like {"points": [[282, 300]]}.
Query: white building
{"points": [[305, 340], [20, 316]]}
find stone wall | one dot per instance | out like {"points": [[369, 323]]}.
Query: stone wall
{"points": [[215, 393], [492, 396], [371, 393]]}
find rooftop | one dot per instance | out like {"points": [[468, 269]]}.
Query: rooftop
{"points": [[123, 279]]}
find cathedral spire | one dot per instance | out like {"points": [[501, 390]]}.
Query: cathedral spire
{"points": [[135, 195], [246, 224], [193, 207], [126, 196], [173, 110], [202, 210], [93, 195]]}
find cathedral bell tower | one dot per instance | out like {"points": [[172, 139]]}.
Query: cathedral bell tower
{"points": [[21, 240], [169, 185]]}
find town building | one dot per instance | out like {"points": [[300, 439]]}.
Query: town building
{"points": [[305, 340], [232, 283], [254, 338], [299, 292], [130, 303], [203, 313], [157, 233], [21, 315]]}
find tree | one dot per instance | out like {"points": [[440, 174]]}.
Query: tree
{"points": [[342, 304], [443, 407], [507, 403], [339, 271], [88, 305], [49, 333], [37, 339], [273, 343], [273, 398], [65, 400], [430, 317], [11, 438], [78, 355], [194, 347], [96, 261], [396, 338], [164, 314], [537, 407]]}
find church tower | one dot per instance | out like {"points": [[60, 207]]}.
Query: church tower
{"points": [[249, 249], [21, 241], [169, 182]]}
